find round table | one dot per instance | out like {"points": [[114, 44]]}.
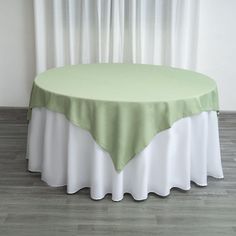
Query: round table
{"points": [[120, 128]]}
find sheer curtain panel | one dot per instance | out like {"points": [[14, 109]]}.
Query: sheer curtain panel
{"points": [[116, 31]]}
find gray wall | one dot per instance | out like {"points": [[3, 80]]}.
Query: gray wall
{"points": [[217, 47], [17, 58]]}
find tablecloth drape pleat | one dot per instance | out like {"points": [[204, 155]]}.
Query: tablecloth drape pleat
{"points": [[67, 155]]}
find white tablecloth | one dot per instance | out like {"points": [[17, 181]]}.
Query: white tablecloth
{"points": [[67, 155]]}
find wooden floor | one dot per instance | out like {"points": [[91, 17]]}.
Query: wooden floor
{"points": [[29, 207]]}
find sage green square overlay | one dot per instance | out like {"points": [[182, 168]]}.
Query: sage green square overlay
{"points": [[123, 106]]}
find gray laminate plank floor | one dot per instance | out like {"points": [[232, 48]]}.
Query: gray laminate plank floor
{"points": [[30, 207]]}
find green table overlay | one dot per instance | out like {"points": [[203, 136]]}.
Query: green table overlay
{"points": [[123, 106]]}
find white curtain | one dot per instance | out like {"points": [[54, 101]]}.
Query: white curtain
{"points": [[130, 31]]}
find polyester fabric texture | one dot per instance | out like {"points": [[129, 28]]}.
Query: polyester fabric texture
{"points": [[144, 100], [67, 155]]}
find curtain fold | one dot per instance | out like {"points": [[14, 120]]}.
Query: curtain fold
{"points": [[111, 31]]}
